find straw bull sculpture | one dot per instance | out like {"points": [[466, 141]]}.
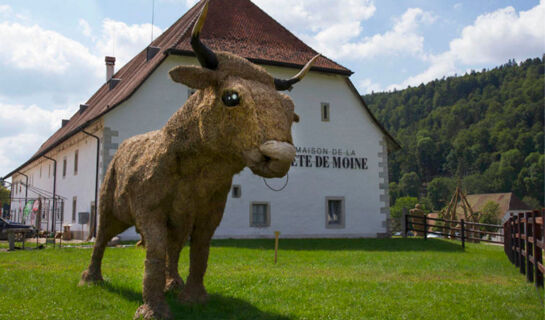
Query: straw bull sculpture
{"points": [[172, 184]]}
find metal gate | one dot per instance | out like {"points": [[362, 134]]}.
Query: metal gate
{"points": [[45, 214]]}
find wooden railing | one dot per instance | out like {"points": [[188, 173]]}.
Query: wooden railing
{"points": [[525, 242], [453, 229]]}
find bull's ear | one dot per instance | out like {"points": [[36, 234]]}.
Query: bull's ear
{"points": [[193, 76]]}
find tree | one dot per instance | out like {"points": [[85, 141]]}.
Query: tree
{"points": [[440, 190], [396, 211], [409, 184], [490, 215], [4, 195], [481, 126], [426, 152], [393, 190], [532, 202], [530, 181], [4, 198]]}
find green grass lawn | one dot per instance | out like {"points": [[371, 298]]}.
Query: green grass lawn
{"points": [[314, 279]]}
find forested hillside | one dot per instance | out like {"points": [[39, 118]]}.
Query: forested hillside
{"points": [[484, 127]]}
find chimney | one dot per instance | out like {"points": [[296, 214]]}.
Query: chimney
{"points": [[82, 108], [151, 51], [110, 64], [64, 122]]}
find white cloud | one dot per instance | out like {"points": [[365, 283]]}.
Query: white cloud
{"points": [[492, 39], [21, 119], [23, 129], [500, 35], [403, 39], [85, 28], [33, 48]]}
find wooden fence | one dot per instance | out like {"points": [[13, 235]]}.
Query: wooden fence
{"points": [[453, 229], [525, 242]]}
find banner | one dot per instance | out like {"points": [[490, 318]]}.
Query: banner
{"points": [[36, 206], [28, 208]]}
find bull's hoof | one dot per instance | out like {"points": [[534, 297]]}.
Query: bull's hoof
{"points": [[155, 312], [174, 285], [90, 278], [193, 296]]}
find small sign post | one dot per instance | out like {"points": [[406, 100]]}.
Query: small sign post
{"points": [[276, 235]]}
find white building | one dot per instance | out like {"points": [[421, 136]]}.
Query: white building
{"points": [[338, 184]]}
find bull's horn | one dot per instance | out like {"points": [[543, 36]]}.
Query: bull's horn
{"points": [[207, 58], [282, 84]]}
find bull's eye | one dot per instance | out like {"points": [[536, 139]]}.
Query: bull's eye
{"points": [[230, 98]]}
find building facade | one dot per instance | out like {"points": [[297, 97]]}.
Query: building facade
{"points": [[338, 183]]}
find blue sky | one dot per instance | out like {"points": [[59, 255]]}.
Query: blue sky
{"points": [[52, 56]]}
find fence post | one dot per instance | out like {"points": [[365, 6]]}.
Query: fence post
{"points": [[512, 242], [462, 224], [538, 235], [425, 227], [516, 240], [529, 247], [404, 223], [521, 244]]}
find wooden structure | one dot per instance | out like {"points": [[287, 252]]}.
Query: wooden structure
{"points": [[449, 213], [525, 242]]}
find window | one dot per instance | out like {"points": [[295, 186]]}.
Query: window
{"points": [[76, 162], [260, 214], [236, 192], [334, 217], [325, 111], [59, 211], [74, 203], [64, 167], [40, 171]]}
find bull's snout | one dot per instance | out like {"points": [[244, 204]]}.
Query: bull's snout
{"points": [[272, 159]]}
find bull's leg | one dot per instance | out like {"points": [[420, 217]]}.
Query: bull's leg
{"points": [[194, 291], [108, 228], [155, 305], [201, 234], [176, 240]]}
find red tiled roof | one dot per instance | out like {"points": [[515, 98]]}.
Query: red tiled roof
{"points": [[237, 26], [240, 27]]}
